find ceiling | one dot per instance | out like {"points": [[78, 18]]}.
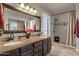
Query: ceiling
{"points": [[55, 8]]}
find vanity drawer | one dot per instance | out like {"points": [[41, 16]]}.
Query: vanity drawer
{"points": [[36, 44], [37, 49], [29, 47], [28, 53], [26, 48], [15, 52], [23, 49], [38, 53]]}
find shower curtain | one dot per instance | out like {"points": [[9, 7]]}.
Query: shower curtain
{"points": [[70, 29]]}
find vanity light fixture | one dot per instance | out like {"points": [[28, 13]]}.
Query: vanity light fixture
{"points": [[29, 8], [35, 11], [22, 5]]}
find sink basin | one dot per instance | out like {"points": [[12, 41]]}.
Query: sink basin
{"points": [[12, 43]]}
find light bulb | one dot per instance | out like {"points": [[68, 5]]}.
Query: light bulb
{"points": [[27, 7], [22, 5], [31, 9], [35, 11]]}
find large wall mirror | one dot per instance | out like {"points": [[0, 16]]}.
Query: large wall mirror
{"points": [[14, 24], [16, 20]]}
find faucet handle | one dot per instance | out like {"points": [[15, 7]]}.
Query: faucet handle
{"points": [[12, 36]]}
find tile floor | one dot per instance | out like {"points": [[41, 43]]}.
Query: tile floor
{"points": [[60, 50]]}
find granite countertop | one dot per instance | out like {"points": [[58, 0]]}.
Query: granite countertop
{"points": [[23, 41]]}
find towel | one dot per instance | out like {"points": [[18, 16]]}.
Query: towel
{"points": [[1, 17], [76, 31]]}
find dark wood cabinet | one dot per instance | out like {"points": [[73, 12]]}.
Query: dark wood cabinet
{"points": [[38, 53], [36, 44], [14, 52], [40, 48], [28, 53], [49, 44], [45, 47], [27, 50]]}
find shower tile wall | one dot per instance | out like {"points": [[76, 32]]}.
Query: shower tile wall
{"points": [[61, 30]]}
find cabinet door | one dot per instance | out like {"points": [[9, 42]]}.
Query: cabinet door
{"points": [[28, 53], [27, 50], [49, 45], [37, 44], [38, 48], [45, 47], [29, 47], [40, 53], [14, 52], [36, 54]]}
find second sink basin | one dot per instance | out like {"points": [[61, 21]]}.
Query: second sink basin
{"points": [[12, 43]]}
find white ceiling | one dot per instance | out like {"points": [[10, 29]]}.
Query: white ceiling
{"points": [[55, 8]]}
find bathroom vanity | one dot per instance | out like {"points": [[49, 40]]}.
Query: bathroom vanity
{"points": [[34, 46]]}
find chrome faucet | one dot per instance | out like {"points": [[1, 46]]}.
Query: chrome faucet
{"points": [[11, 36]]}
